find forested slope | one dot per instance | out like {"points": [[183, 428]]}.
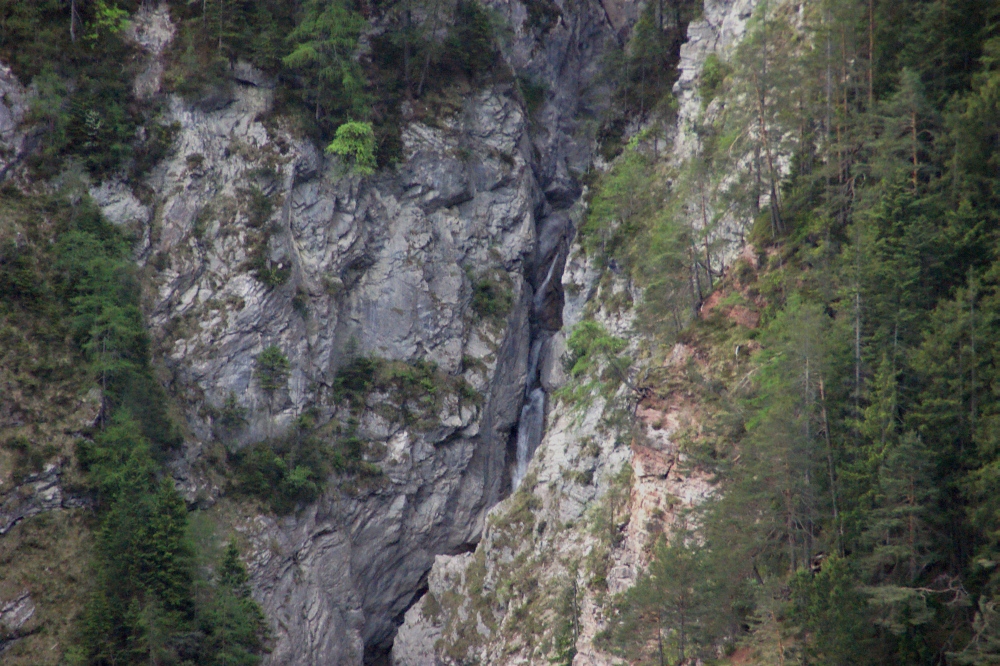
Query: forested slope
{"points": [[852, 431], [790, 332]]}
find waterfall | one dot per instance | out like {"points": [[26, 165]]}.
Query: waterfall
{"points": [[540, 293], [529, 433], [534, 357]]}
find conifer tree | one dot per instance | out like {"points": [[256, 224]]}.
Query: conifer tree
{"points": [[323, 54]]}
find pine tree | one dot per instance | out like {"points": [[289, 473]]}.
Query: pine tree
{"points": [[324, 44], [234, 625], [665, 616]]}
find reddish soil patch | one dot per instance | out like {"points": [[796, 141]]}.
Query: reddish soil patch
{"points": [[650, 462]]}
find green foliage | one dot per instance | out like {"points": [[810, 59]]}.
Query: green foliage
{"points": [[142, 602], [619, 207], [491, 298], [293, 470], [643, 73], [232, 417], [666, 612], [431, 53], [713, 75], [19, 278], [143, 606], [323, 47], [854, 521], [471, 43], [94, 275], [415, 391], [285, 473], [591, 347], [567, 630], [355, 379], [290, 471], [85, 102], [108, 20], [272, 369], [213, 34], [534, 93], [543, 15], [233, 624], [984, 648], [355, 141], [270, 273], [830, 608], [259, 208], [29, 458], [71, 279]]}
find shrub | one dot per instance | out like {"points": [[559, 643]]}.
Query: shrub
{"points": [[713, 74], [323, 45], [356, 142], [588, 344], [28, 458], [471, 45], [271, 273], [232, 416], [543, 14], [95, 277], [272, 369], [19, 277], [533, 91], [490, 298], [294, 470], [355, 379], [259, 208]]}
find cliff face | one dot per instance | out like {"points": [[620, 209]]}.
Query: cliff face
{"points": [[252, 238], [607, 478], [385, 266]]}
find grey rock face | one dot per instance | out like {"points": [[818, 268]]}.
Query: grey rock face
{"points": [[37, 494], [384, 266], [718, 32], [477, 609], [14, 616], [15, 142]]}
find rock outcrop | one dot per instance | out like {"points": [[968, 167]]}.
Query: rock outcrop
{"points": [[252, 238], [607, 477], [383, 266]]}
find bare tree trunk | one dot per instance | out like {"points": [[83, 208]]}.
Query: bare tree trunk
{"points": [[830, 467], [659, 636], [74, 17], [406, 52], [871, 54], [427, 58], [776, 224]]}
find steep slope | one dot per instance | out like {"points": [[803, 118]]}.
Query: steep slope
{"points": [[387, 267], [772, 441], [608, 476]]}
